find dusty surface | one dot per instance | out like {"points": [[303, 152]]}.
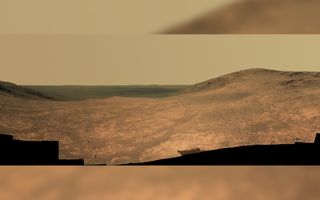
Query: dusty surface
{"points": [[219, 183], [254, 106], [257, 16]]}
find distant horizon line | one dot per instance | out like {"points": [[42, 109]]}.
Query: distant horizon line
{"points": [[154, 84]]}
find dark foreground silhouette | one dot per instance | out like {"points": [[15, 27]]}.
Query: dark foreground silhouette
{"points": [[17, 152], [283, 154]]}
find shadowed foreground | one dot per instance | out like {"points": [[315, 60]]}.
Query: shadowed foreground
{"points": [[283, 154], [17, 152]]}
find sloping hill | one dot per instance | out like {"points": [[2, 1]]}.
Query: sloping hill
{"points": [[256, 106], [257, 16], [13, 90], [258, 76]]}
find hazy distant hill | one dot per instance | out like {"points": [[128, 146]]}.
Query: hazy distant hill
{"points": [[10, 89], [257, 16], [75, 92], [256, 106]]}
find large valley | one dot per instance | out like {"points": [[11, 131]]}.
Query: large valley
{"points": [[255, 106]]}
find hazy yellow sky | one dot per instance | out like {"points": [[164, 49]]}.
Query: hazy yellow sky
{"points": [[98, 16], [152, 59]]}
